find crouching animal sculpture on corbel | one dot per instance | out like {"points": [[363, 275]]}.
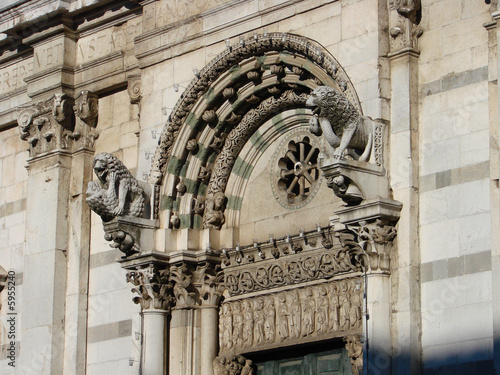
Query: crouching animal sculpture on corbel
{"points": [[345, 130], [353, 166], [117, 197]]}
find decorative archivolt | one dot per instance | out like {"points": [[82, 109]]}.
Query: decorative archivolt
{"points": [[231, 97]]}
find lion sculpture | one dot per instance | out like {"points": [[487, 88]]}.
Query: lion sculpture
{"points": [[117, 192], [343, 127]]}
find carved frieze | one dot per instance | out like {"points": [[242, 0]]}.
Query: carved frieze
{"points": [[233, 365], [291, 270], [153, 286], [309, 313]]}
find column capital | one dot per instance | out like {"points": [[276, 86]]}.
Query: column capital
{"points": [[404, 17], [196, 284], [153, 286]]}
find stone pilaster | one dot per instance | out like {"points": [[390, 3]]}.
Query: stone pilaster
{"points": [[494, 105], [404, 31]]}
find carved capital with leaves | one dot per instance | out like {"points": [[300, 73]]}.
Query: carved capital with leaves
{"points": [[153, 286]]}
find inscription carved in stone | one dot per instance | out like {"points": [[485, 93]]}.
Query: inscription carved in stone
{"points": [[309, 312]]}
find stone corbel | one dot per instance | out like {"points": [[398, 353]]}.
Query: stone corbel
{"points": [[153, 286], [47, 125], [130, 234], [233, 364], [354, 181]]}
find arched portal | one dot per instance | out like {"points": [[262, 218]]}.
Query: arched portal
{"points": [[222, 113]]}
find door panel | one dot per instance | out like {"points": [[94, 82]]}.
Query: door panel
{"points": [[334, 362]]}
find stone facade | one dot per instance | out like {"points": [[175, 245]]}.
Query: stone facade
{"points": [[249, 187]]}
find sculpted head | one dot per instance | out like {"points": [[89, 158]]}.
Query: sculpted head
{"points": [[321, 97], [104, 163]]}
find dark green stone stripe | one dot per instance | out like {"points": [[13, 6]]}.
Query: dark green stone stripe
{"points": [[234, 203], [185, 221], [191, 120], [177, 167], [242, 168], [259, 142]]}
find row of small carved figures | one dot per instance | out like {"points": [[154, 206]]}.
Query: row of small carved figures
{"points": [[291, 315]]}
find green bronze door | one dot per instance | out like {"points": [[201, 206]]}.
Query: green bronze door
{"points": [[333, 362]]}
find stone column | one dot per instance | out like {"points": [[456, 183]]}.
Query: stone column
{"points": [[404, 176], [211, 296], [154, 295], [194, 324]]}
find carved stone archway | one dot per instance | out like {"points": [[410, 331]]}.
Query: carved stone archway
{"points": [[222, 108]]}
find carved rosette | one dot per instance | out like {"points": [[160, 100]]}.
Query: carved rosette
{"points": [[48, 125], [305, 314], [195, 285], [233, 365], [153, 286]]}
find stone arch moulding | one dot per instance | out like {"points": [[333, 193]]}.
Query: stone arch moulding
{"points": [[242, 88]]}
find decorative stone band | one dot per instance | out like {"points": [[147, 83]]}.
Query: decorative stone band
{"points": [[300, 315]]}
